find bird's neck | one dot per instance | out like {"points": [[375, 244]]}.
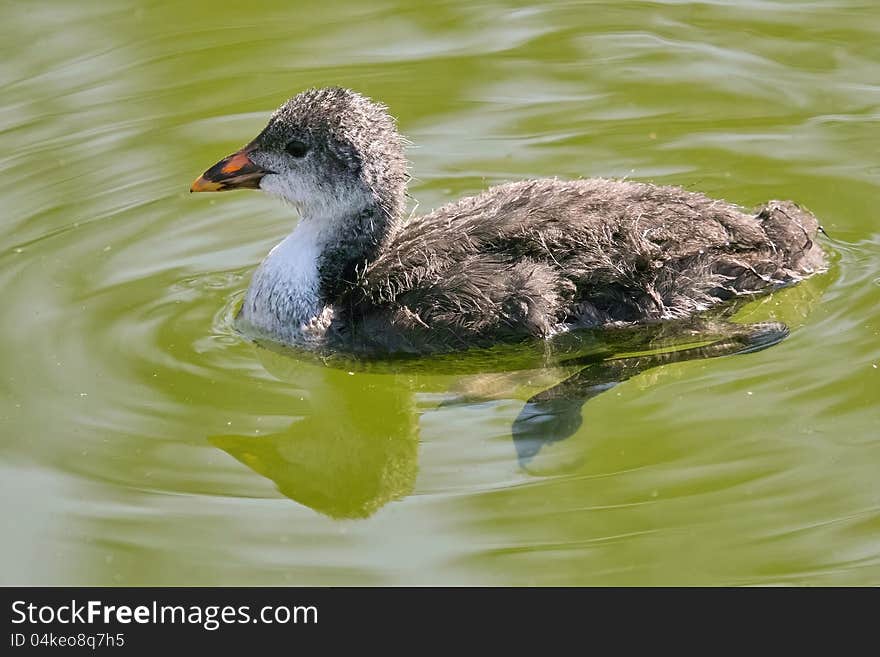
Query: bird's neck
{"points": [[292, 292]]}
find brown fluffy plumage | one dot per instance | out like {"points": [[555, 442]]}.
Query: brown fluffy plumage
{"points": [[539, 256]]}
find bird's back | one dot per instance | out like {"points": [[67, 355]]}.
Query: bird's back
{"points": [[539, 256]]}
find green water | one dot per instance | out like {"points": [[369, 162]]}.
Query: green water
{"points": [[142, 441]]}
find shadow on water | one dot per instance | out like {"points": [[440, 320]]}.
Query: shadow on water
{"points": [[555, 414], [357, 449]]}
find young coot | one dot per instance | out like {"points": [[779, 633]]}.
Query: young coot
{"points": [[523, 259]]}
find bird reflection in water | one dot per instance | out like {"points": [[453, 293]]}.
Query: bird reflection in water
{"points": [[355, 451], [357, 448]]}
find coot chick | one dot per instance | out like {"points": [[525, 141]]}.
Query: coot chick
{"points": [[521, 260]]}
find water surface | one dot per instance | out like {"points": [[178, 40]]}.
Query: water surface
{"points": [[143, 441]]}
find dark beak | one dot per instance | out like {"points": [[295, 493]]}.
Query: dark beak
{"points": [[234, 172]]}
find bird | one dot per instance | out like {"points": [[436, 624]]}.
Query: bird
{"points": [[526, 260]]}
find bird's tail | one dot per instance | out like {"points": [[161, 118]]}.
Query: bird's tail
{"points": [[793, 231]]}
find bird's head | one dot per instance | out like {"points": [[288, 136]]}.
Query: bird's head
{"points": [[326, 151]]}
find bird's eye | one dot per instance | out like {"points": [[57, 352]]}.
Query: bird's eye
{"points": [[297, 148]]}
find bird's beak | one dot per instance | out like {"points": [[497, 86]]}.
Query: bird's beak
{"points": [[234, 172]]}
